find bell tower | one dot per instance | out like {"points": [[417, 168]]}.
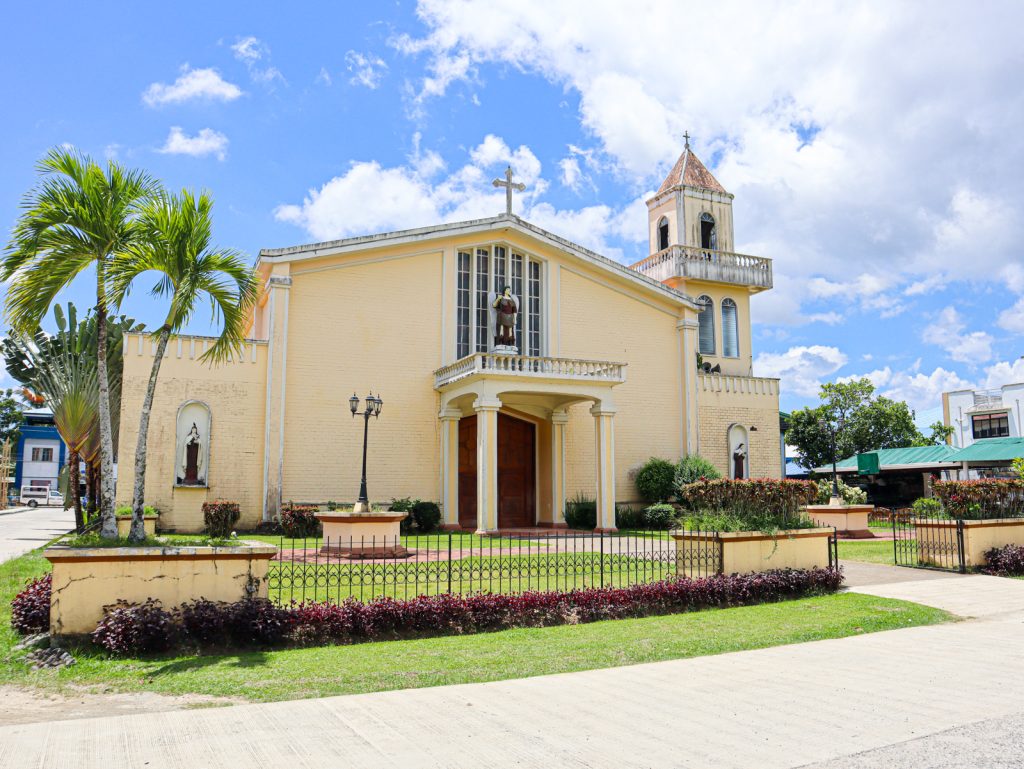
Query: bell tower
{"points": [[691, 208]]}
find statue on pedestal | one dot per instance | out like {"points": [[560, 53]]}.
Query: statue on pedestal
{"points": [[506, 307], [739, 463]]}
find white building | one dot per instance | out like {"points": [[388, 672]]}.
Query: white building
{"points": [[979, 414]]}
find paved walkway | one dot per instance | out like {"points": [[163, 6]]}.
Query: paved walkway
{"points": [[828, 703], [26, 529]]}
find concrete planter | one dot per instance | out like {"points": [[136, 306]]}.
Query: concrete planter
{"points": [[848, 520], [124, 525], [349, 534], [87, 579], [937, 542], [742, 552]]}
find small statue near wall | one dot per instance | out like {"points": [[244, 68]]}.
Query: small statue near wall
{"points": [[192, 458], [739, 462], [506, 306]]}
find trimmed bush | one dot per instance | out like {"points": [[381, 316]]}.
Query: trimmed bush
{"points": [[693, 468], [660, 517], [220, 517], [136, 628], [427, 516], [125, 511], [629, 517], [256, 623], [851, 495], [404, 505], [1007, 561], [655, 480], [581, 513], [764, 504], [927, 507], [300, 521], [30, 609], [982, 499]]}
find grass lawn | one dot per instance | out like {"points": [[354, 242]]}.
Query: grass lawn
{"points": [[296, 673], [873, 552]]}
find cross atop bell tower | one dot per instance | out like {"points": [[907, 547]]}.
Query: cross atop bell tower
{"points": [[509, 185]]}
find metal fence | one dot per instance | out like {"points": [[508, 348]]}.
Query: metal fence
{"points": [[317, 569], [933, 542]]}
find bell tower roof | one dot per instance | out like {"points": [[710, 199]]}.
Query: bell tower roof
{"points": [[690, 172]]}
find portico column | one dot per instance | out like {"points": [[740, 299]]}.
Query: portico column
{"points": [[486, 463], [559, 419], [604, 431], [450, 467], [690, 438]]}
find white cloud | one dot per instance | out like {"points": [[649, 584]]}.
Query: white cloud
{"points": [[571, 173], [251, 51], [206, 142], [192, 85], [1004, 372], [801, 369], [1012, 319], [921, 391], [367, 69], [947, 330], [836, 157], [324, 77]]}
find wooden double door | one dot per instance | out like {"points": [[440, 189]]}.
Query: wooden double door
{"points": [[517, 472]]}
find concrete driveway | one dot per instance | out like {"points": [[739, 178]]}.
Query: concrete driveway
{"points": [[24, 529]]}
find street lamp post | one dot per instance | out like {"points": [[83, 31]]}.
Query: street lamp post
{"points": [[833, 428], [373, 406]]}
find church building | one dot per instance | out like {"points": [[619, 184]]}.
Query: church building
{"points": [[499, 405]]}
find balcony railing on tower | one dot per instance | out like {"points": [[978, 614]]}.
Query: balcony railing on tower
{"points": [[529, 366], [707, 264]]}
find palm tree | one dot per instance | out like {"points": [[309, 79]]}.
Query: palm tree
{"points": [[176, 243], [59, 371], [78, 216]]}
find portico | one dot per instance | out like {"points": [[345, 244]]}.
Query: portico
{"points": [[492, 408]]}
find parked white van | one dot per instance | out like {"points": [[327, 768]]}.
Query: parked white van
{"points": [[33, 496]]}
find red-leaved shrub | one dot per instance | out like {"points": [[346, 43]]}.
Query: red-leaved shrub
{"points": [[300, 521], [980, 499], [260, 623], [136, 628], [1007, 561], [220, 517], [30, 609]]}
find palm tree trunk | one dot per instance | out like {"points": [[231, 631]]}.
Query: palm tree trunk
{"points": [[138, 532], [89, 489], [73, 482], [108, 523]]}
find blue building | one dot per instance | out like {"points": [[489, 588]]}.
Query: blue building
{"points": [[40, 453]]}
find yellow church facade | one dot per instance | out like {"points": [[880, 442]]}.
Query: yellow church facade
{"points": [[611, 365]]}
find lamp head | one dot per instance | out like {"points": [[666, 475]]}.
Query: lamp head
{"points": [[353, 403]]}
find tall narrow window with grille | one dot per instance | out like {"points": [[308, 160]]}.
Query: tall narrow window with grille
{"points": [[706, 326], [730, 329], [483, 310], [463, 306], [533, 307], [517, 289]]}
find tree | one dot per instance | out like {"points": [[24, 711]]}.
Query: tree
{"points": [[63, 369], [176, 243], [79, 215], [11, 417], [869, 422], [940, 433]]}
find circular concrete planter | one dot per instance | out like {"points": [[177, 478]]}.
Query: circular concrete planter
{"points": [[87, 579], [849, 521], [701, 553], [349, 534]]}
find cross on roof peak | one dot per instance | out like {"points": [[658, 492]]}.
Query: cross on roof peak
{"points": [[509, 185], [686, 137]]}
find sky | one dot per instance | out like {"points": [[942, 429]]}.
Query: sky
{"points": [[875, 149]]}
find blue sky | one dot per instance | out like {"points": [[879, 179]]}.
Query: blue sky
{"points": [[874, 149]]}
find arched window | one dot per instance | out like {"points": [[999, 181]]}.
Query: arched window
{"points": [[708, 235], [730, 330], [706, 326], [192, 447], [663, 234]]}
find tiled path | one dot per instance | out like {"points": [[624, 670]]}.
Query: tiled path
{"points": [[787, 706]]}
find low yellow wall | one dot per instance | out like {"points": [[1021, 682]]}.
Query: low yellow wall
{"points": [[937, 542], [124, 526], [86, 580], [743, 552]]}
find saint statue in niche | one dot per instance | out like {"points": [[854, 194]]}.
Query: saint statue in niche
{"points": [[191, 458], [739, 462], [507, 308]]}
